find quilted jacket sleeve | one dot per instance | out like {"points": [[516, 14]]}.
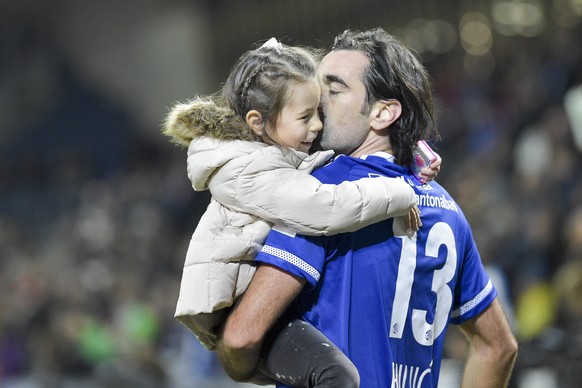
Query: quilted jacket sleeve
{"points": [[294, 199]]}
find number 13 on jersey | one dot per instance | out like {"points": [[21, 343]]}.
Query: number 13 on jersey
{"points": [[424, 332]]}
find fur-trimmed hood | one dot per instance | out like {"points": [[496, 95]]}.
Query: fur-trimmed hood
{"points": [[205, 117]]}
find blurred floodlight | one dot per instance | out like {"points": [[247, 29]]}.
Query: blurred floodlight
{"points": [[429, 36], [567, 13], [576, 6], [441, 36], [519, 17], [476, 35]]}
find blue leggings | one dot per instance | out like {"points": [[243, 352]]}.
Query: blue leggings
{"points": [[298, 355]]}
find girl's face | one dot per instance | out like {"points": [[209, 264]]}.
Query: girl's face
{"points": [[298, 122]]}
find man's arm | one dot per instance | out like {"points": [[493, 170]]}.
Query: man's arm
{"points": [[267, 297], [492, 350]]}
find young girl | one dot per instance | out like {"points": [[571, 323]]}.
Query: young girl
{"points": [[249, 146]]}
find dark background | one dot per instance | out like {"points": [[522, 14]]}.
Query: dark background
{"points": [[96, 210]]}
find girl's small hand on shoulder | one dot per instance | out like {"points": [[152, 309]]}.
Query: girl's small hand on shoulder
{"points": [[412, 220], [428, 174]]}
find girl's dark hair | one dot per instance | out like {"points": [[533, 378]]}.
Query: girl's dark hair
{"points": [[259, 80], [395, 73]]}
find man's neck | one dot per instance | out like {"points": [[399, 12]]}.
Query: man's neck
{"points": [[373, 143]]}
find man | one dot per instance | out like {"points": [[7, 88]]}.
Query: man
{"points": [[382, 295]]}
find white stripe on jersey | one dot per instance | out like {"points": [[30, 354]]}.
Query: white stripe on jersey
{"points": [[473, 302], [292, 259]]}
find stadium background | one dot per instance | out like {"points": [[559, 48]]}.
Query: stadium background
{"points": [[96, 210]]}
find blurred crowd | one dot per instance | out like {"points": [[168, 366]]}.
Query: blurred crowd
{"points": [[512, 163], [93, 233], [95, 218]]}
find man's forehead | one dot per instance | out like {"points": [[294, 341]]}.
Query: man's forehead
{"points": [[343, 63]]}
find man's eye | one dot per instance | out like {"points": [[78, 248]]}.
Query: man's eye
{"points": [[333, 92]]}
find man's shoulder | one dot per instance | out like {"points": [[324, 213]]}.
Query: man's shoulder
{"points": [[340, 169], [345, 167]]}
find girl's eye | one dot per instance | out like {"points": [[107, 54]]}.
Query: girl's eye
{"points": [[333, 92]]}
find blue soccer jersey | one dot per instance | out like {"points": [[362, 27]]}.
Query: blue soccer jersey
{"points": [[382, 296]]}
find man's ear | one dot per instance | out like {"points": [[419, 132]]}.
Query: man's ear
{"points": [[255, 121], [384, 113]]}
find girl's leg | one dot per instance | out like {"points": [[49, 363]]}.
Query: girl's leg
{"points": [[299, 355]]}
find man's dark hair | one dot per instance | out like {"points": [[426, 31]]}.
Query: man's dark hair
{"points": [[394, 72]]}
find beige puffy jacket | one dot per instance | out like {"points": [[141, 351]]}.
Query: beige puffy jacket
{"points": [[253, 186]]}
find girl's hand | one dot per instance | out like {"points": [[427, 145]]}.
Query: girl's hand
{"points": [[412, 220], [428, 174]]}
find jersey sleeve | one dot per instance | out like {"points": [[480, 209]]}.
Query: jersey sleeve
{"points": [[474, 290], [302, 256], [300, 202]]}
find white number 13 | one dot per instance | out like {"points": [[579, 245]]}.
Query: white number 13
{"points": [[424, 332]]}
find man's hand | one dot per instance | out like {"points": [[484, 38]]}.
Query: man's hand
{"points": [[268, 295]]}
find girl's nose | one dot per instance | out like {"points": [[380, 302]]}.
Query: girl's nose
{"points": [[317, 125]]}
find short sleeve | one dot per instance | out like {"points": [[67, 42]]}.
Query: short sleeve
{"points": [[474, 289], [302, 256]]}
